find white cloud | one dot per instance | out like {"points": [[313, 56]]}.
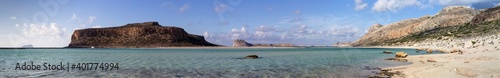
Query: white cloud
{"points": [[42, 30], [75, 17], [184, 8], [239, 34], [44, 35], [206, 35], [266, 32], [97, 26], [17, 25], [360, 5], [393, 5], [13, 18], [461, 2], [313, 29], [91, 19]]}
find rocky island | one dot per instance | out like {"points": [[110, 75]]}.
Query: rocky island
{"points": [[243, 43], [136, 35]]}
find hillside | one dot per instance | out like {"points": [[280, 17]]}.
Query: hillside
{"points": [[449, 23]]}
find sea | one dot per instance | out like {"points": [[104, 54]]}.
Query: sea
{"points": [[300, 62]]}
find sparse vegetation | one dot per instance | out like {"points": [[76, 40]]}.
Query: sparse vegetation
{"points": [[460, 31]]}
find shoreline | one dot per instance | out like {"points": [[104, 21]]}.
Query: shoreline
{"points": [[475, 64]]}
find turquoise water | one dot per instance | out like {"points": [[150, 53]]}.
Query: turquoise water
{"points": [[204, 62]]}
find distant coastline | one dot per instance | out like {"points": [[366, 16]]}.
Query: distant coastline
{"points": [[32, 48]]}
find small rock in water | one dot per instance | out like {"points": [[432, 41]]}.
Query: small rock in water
{"points": [[420, 49], [429, 50], [387, 52], [251, 56], [371, 68]]}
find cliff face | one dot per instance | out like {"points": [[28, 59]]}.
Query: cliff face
{"points": [[136, 35], [487, 15], [243, 43], [449, 16]]}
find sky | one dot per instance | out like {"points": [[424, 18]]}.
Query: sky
{"points": [[50, 23]]}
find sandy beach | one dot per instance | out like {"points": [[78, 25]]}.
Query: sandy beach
{"points": [[468, 65], [477, 60]]}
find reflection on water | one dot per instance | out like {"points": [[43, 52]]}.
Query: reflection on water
{"points": [[207, 62]]}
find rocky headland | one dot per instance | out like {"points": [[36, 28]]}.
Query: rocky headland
{"points": [[471, 39], [243, 43], [455, 23], [447, 17], [136, 35]]}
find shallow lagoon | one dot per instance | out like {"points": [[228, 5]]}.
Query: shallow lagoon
{"points": [[204, 62]]}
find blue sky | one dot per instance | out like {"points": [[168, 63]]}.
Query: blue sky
{"points": [[50, 23]]}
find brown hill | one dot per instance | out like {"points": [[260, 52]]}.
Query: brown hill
{"points": [[449, 16]]}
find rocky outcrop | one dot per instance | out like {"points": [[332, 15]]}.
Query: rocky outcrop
{"points": [[136, 35], [401, 55], [487, 15], [243, 43], [387, 52], [251, 57], [449, 16]]}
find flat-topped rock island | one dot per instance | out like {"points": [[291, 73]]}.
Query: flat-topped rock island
{"points": [[136, 35]]}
